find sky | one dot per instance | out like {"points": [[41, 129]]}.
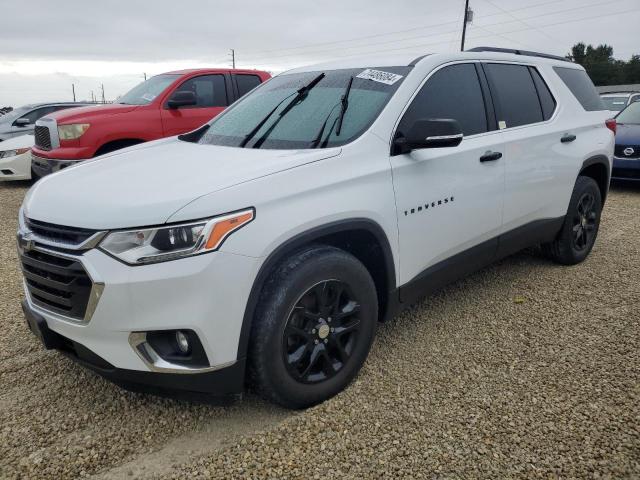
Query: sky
{"points": [[46, 46]]}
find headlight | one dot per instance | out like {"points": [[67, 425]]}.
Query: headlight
{"points": [[151, 245], [13, 153], [72, 131]]}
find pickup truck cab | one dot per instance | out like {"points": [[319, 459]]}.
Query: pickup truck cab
{"points": [[275, 237], [164, 105]]}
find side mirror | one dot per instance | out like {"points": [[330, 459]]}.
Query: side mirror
{"points": [[430, 133], [22, 122], [182, 98]]}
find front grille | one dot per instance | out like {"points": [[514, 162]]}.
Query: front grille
{"points": [[619, 151], [43, 137], [60, 234], [58, 284]]}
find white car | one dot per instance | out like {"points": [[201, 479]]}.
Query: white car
{"points": [[266, 245], [616, 102], [15, 158]]}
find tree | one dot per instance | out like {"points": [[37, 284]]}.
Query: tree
{"points": [[602, 67]]}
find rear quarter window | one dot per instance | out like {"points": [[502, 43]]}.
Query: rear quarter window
{"points": [[581, 87]]}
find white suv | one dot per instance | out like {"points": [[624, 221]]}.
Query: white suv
{"points": [[266, 245]]}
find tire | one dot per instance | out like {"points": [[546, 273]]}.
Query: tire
{"points": [[301, 317], [34, 176], [580, 228]]}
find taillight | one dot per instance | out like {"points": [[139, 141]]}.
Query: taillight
{"points": [[611, 125]]}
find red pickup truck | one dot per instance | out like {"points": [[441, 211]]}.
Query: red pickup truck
{"points": [[168, 104]]}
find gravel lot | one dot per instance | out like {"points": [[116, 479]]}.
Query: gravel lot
{"points": [[525, 369]]}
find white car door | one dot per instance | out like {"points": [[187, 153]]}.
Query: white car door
{"points": [[534, 145], [449, 202]]}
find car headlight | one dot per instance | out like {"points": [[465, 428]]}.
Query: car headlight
{"points": [[13, 153], [150, 245], [72, 131]]}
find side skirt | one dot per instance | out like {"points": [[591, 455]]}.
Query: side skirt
{"points": [[473, 259]]}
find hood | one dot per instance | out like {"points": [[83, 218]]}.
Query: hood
{"points": [[76, 114], [144, 185], [627, 134], [23, 141]]}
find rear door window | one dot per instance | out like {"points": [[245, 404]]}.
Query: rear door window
{"points": [[246, 83], [514, 94], [547, 102], [210, 90], [582, 87], [452, 92]]}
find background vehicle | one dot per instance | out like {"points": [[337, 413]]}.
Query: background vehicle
{"points": [[164, 105], [22, 120], [626, 160], [618, 101], [324, 201], [15, 158]]}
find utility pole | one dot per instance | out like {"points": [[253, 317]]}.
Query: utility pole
{"points": [[233, 58], [73, 90], [102, 86], [468, 17], [93, 100]]}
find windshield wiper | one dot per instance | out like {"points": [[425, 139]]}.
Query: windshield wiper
{"points": [[344, 104], [301, 94]]}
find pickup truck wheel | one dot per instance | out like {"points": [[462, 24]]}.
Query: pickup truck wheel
{"points": [[313, 327], [580, 227]]}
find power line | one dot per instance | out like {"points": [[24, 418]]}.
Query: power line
{"points": [[520, 20], [600, 3], [491, 34], [311, 45]]}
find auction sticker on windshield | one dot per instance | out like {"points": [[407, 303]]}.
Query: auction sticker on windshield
{"points": [[387, 78]]}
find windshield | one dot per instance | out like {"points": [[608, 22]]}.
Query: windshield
{"points": [[147, 91], [313, 119], [14, 114], [615, 103], [630, 115]]}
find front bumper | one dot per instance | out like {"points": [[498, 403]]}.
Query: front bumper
{"points": [[45, 166], [626, 169], [17, 167], [226, 383], [206, 294]]}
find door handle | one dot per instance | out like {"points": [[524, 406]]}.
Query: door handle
{"points": [[490, 156], [566, 138]]}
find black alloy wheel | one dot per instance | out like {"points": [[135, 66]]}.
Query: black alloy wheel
{"points": [[584, 222], [321, 332]]}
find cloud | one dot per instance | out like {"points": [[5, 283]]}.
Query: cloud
{"points": [[115, 41]]}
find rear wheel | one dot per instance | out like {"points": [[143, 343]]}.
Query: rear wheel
{"points": [[580, 228], [313, 327]]}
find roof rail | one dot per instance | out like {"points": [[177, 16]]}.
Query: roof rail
{"points": [[518, 52]]}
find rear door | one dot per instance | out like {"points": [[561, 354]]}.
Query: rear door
{"points": [[449, 201], [212, 98], [525, 109]]}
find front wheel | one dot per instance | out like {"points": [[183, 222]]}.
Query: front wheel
{"points": [[580, 228], [313, 327]]}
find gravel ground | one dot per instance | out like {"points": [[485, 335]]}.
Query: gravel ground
{"points": [[526, 369]]}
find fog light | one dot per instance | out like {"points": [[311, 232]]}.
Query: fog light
{"points": [[183, 342]]}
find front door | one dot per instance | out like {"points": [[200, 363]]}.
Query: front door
{"points": [[449, 202], [212, 98]]}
